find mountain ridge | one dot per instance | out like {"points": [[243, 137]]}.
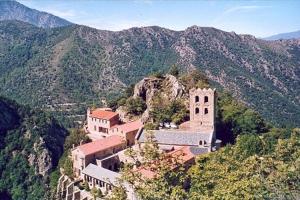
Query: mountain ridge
{"points": [[13, 10], [78, 64], [284, 36]]}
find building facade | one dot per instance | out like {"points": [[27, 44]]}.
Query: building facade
{"points": [[88, 153], [202, 107], [100, 120]]}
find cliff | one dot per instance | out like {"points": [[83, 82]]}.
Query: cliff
{"points": [[31, 144]]}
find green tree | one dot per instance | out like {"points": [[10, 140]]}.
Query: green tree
{"points": [[135, 106], [174, 70], [76, 137], [118, 193], [274, 175], [97, 193], [68, 167], [248, 145]]}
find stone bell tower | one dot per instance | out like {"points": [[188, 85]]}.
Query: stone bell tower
{"points": [[202, 108]]}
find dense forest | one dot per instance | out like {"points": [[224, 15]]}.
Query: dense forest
{"points": [[31, 143]]}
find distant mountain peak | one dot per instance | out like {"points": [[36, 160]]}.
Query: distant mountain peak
{"points": [[13, 10], [290, 35]]}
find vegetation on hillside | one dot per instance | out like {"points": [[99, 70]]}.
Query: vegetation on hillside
{"points": [[31, 143], [81, 65], [250, 169]]}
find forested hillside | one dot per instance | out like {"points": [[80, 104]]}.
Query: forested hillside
{"points": [[64, 68], [31, 143]]}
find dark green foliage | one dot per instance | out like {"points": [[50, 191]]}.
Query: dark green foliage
{"points": [[135, 106], [234, 118], [194, 79], [248, 145], [76, 137], [158, 74], [254, 175], [23, 130], [151, 126], [118, 100], [272, 136], [174, 70], [163, 111], [54, 176]]}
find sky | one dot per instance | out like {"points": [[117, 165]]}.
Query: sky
{"points": [[260, 18]]}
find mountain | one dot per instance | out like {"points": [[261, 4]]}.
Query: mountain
{"points": [[291, 35], [31, 144], [12, 10], [68, 67]]}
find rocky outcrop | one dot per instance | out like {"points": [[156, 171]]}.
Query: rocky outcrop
{"points": [[169, 87], [146, 88], [41, 159]]}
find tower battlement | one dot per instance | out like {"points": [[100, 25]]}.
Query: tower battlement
{"points": [[202, 107]]}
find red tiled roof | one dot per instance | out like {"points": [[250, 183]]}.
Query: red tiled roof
{"points": [[183, 155], [103, 114], [102, 144], [130, 126]]}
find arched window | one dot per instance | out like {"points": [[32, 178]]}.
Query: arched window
{"points": [[205, 99], [197, 110], [196, 99], [205, 111], [200, 142]]}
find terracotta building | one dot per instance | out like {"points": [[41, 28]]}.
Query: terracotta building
{"points": [[100, 120], [98, 162], [128, 131], [97, 150]]}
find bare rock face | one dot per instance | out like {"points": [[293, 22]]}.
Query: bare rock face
{"points": [[146, 88], [176, 88], [41, 158], [149, 87], [123, 114]]}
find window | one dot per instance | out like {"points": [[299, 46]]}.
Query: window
{"points": [[200, 142], [205, 99], [197, 110], [205, 111], [196, 99], [95, 128]]}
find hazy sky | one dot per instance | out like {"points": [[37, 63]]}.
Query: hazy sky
{"points": [[259, 18]]}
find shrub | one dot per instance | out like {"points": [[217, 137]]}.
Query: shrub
{"points": [[135, 106], [174, 70]]}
